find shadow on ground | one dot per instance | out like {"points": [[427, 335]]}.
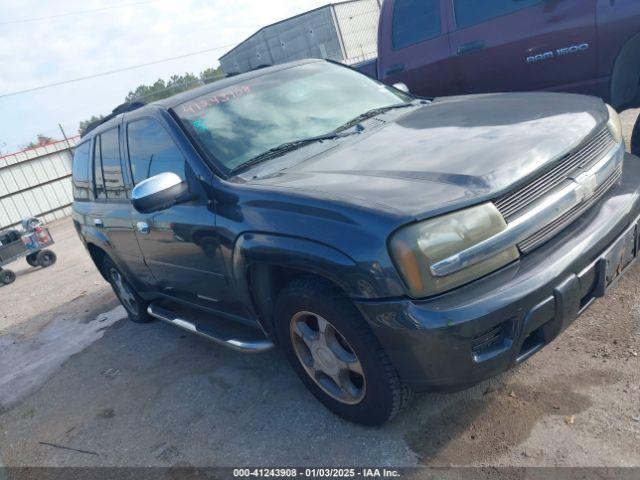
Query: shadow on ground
{"points": [[151, 395]]}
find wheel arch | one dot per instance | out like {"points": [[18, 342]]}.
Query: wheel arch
{"points": [[98, 255], [266, 281], [263, 264], [625, 80]]}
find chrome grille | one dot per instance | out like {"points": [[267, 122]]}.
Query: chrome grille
{"points": [[546, 233], [513, 203]]}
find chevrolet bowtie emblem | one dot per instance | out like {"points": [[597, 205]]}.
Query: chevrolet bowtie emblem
{"points": [[587, 185]]}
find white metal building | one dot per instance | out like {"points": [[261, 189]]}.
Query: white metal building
{"points": [[36, 183], [346, 32]]}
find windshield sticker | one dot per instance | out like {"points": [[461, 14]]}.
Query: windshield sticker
{"points": [[199, 125], [213, 100]]}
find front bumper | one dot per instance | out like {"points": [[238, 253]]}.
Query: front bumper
{"points": [[475, 332]]}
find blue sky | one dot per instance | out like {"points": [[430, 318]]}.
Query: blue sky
{"points": [[48, 51]]}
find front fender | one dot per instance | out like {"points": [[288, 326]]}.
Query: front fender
{"points": [[357, 281]]}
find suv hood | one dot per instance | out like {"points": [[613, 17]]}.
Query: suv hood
{"points": [[454, 152]]}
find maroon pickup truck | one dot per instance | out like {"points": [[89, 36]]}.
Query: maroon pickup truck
{"points": [[451, 47]]}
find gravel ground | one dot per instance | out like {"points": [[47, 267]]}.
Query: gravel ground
{"points": [[81, 386]]}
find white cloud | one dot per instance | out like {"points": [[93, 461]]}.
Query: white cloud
{"points": [[48, 51]]}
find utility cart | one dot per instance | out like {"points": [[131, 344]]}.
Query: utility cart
{"points": [[30, 242]]}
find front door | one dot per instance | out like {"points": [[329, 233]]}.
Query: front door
{"points": [[179, 244], [520, 45]]}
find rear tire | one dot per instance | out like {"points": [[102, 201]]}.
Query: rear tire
{"points": [[32, 259], [46, 258], [133, 303], [635, 138], [7, 277], [359, 384]]}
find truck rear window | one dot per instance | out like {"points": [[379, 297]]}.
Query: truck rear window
{"points": [[473, 12], [415, 21]]}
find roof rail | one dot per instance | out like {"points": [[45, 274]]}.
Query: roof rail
{"points": [[125, 107], [259, 67]]}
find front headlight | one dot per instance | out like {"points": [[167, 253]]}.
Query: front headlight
{"points": [[614, 124], [416, 248]]}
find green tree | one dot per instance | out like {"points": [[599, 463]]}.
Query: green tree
{"points": [[41, 141], [82, 128], [161, 89], [211, 75]]}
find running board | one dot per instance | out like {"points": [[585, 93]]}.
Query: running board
{"points": [[226, 333]]}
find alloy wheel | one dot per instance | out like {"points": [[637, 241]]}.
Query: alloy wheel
{"points": [[328, 358], [125, 294]]}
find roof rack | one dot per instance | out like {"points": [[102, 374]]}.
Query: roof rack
{"points": [[259, 67], [125, 107]]}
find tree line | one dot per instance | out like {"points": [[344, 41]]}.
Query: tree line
{"points": [[142, 93], [161, 89]]}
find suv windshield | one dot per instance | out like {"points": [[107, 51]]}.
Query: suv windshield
{"points": [[238, 124]]}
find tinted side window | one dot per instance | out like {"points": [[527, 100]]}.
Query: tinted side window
{"points": [[81, 171], [415, 21], [472, 12], [152, 151], [111, 166], [98, 180]]}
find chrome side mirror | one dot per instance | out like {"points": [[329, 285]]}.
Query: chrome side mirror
{"points": [[402, 87], [158, 192]]}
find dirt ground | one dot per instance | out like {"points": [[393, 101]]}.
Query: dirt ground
{"points": [[81, 386]]}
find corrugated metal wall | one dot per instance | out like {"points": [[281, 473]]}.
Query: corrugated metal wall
{"points": [[344, 32], [307, 36], [311, 35], [36, 183], [358, 27]]}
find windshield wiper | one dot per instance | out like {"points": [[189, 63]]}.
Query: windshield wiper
{"points": [[286, 148], [337, 133], [372, 113]]}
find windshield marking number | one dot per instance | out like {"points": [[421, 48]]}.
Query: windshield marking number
{"points": [[216, 99]]}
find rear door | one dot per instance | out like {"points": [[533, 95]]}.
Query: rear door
{"points": [[110, 210], [519, 45], [414, 46]]}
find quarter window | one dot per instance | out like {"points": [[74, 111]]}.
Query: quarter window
{"points": [[472, 12], [152, 151], [81, 171], [415, 21]]}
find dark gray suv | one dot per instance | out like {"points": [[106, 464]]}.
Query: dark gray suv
{"points": [[387, 243]]}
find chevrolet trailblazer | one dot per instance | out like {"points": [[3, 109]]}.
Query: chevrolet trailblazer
{"points": [[386, 243]]}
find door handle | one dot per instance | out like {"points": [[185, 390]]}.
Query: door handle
{"points": [[143, 228], [394, 69], [98, 223], [470, 47]]}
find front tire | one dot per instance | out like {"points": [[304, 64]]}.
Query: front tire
{"points": [[133, 303], [336, 355], [635, 138]]}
